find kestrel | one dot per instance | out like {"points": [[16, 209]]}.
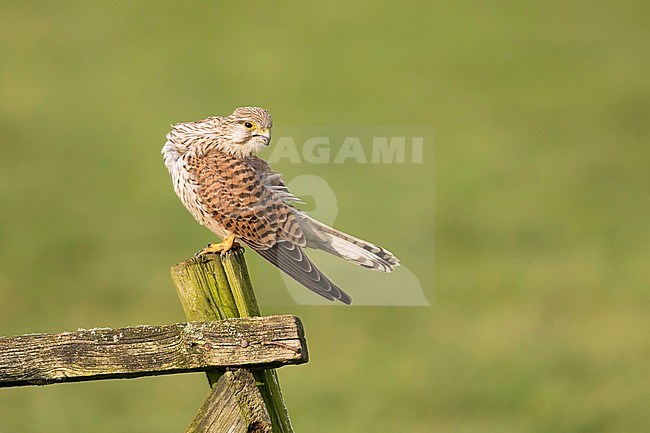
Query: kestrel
{"points": [[237, 195]]}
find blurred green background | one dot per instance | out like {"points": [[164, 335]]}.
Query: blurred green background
{"points": [[539, 223]]}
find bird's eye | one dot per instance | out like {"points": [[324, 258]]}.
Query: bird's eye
{"points": [[249, 125]]}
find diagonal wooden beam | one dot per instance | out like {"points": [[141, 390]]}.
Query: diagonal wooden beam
{"points": [[104, 353], [235, 405]]}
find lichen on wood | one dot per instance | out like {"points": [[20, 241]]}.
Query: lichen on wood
{"points": [[105, 353]]}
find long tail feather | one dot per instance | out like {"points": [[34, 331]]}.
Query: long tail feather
{"points": [[348, 247], [290, 259]]}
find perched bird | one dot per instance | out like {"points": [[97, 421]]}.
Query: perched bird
{"points": [[237, 195]]}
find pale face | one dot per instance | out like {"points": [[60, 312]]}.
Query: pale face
{"points": [[248, 129], [250, 134]]}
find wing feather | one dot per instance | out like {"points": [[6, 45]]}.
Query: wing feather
{"points": [[292, 260], [236, 196], [250, 201]]}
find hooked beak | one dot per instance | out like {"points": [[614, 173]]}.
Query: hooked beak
{"points": [[264, 134]]}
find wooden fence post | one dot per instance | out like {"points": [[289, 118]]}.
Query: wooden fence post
{"points": [[217, 287]]}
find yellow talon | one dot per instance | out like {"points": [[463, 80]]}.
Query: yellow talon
{"points": [[222, 247]]}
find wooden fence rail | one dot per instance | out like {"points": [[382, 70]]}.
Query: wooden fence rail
{"points": [[104, 353]]}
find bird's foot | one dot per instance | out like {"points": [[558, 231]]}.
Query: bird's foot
{"points": [[222, 247]]}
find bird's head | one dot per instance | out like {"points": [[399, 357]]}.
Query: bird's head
{"points": [[241, 134], [247, 130]]}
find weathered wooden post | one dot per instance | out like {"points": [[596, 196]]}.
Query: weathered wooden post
{"points": [[218, 287]]}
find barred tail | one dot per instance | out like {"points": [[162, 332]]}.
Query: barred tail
{"points": [[348, 247]]}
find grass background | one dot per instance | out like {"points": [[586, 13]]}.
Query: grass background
{"points": [[540, 219]]}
